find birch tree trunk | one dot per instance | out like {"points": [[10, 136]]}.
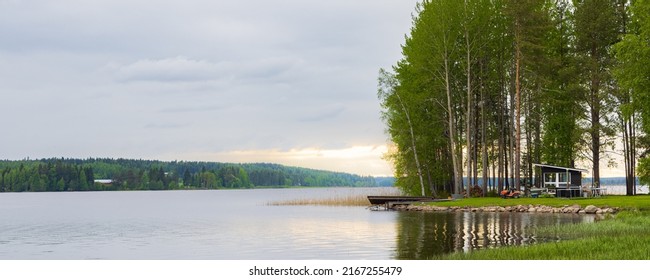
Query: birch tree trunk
{"points": [[413, 146]]}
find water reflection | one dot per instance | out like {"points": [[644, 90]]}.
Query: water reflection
{"points": [[238, 224], [423, 235]]}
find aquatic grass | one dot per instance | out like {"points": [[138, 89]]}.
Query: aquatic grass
{"points": [[624, 237], [603, 248], [355, 199], [352, 200]]}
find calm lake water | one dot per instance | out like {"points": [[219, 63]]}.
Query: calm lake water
{"points": [[239, 224], [621, 189]]}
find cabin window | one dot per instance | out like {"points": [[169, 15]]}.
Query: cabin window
{"points": [[563, 177], [556, 180]]}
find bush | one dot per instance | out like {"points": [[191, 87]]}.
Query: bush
{"points": [[443, 194], [475, 191]]}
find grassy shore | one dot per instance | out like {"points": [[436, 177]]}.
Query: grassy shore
{"points": [[640, 202], [625, 236]]}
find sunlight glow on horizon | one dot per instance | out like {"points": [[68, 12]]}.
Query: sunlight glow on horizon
{"points": [[365, 160]]}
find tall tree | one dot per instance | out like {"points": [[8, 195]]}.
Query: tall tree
{"points": [[530, 23], [561, 108], [427, 90], [433, 51], [387, 88], [632, 71], [596, 31], [444, 34], [475, 22]]}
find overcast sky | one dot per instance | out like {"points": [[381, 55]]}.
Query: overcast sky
{"points": [[290, 82]]}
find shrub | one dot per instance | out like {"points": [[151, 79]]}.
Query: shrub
{"points": [[443, 194], [475, 191]]}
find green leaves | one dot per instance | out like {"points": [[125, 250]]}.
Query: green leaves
{"points": [[459, 74], [632, 73]]}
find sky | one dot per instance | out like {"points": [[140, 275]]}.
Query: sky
{"points": [[284, 81]]}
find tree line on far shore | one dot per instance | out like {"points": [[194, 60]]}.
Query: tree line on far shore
{"points": [[487, 88], [60, 174]]}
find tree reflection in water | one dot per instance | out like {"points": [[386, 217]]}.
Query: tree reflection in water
{"points": [[424, 235]]}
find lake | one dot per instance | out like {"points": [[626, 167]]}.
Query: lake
{"points": [[622, 190], [240, 225]]}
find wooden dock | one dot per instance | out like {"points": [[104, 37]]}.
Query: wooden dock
{"points": [[384, 199], [388, 201]]}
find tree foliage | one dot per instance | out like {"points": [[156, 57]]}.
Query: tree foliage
{"points": [[491, 87], [632, 72], [125, 174]]}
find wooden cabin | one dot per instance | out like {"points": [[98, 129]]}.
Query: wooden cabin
{"points": [[561, 181]]}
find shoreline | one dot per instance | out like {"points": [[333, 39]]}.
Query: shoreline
{"points": [[566, 209]]}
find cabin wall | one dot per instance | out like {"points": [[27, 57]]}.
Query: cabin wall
{"points": [[576, 176]]}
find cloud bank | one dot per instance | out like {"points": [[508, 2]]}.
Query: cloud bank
{"points": [[198, 79]]}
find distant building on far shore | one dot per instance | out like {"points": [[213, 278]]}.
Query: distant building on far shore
{"points": [[106, 182]]}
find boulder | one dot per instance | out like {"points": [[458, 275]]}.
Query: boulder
{"points": [[591, 209], [490, 209], [571, 209]]}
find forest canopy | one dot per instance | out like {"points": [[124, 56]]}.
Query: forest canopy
{"points": [[61, 174], [487, 88]]}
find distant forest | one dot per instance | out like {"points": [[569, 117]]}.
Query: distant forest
{"points": [[61, 174]]}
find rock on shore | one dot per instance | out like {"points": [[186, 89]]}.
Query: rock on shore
{"points": [[569, 209]]}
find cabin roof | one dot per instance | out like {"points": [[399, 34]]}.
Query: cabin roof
{"points": [[560, 167]]}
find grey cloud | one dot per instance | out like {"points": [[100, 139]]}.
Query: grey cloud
{"points": [[319, 115], [172, 77], [191, 109], [165, 125], [183, 69], [168, 70]]}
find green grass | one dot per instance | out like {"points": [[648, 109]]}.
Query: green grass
{"points": [[640, 202], [625, 236]]}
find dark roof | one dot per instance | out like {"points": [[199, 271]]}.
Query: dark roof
{"points": [[560, 167]]}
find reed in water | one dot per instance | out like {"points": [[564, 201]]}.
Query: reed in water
{"points": [[355, 199]]}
